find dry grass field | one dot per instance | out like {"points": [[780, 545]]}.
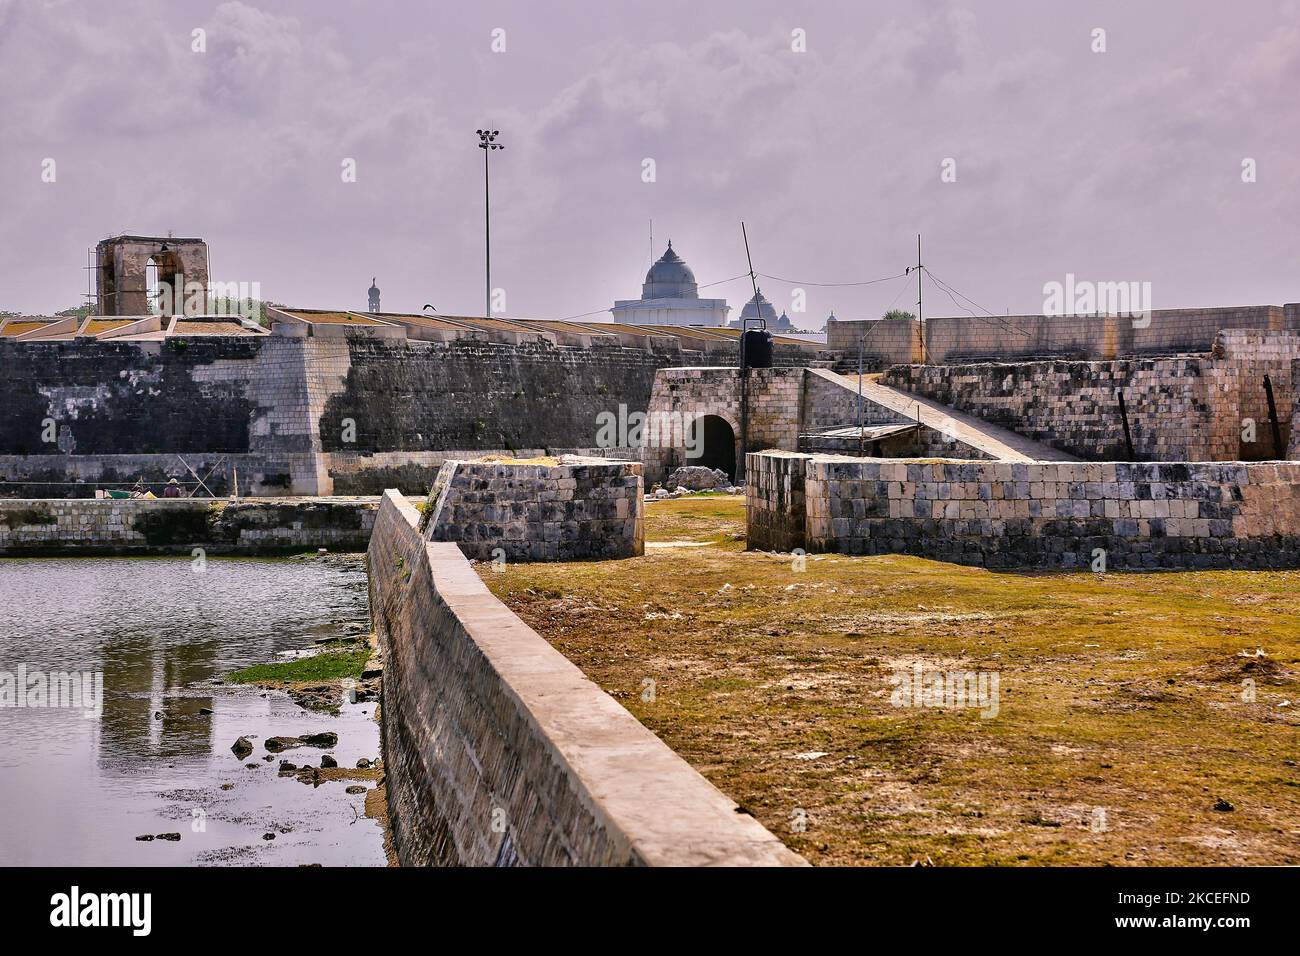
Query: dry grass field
{"points": [[1124, 734]]}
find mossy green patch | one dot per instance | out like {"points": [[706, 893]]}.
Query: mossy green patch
{"points": [[325, 666]]}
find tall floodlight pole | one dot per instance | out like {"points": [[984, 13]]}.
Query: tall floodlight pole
{"points": [[487, 143]]}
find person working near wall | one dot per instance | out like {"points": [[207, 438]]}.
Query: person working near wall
{"points": [[173, 489]]}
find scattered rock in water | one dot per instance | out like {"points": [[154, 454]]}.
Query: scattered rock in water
{"points": [[321, 697], [286, 768], [170, 837], [227, 786], [268, 836], [252, 766], [310, 775], [356, 788], [241, 748], [363, 764], [278, 744], [205, 711], [145, 838], [157, 715], [268, 758], [327, 761]]}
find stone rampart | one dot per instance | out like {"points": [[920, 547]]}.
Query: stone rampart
{"points": [[1040, 514], [499, 752]]}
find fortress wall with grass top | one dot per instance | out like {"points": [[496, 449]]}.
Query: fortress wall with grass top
{"points": [[499, 751], [62, 527], [1030, 515]]}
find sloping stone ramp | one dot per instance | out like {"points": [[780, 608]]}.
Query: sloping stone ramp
{"points": [[994, 440]]}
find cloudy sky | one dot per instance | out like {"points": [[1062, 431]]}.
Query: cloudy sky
{"points": [[1118, 165]]}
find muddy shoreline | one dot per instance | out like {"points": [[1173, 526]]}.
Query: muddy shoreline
{"points": [[145, 775], [324, 700]]}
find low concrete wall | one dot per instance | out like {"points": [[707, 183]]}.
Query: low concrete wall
{"points": [[1045, 514], [59, 527], [591, 508], [498, 751]]}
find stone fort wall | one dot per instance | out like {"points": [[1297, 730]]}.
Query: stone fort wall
{"points": [[1043, 514], [965, 339], [1188, 408], [500, 752], [302, 410]]}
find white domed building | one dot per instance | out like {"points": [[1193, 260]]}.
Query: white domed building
{"points": [[670, 296], [759, 308]]}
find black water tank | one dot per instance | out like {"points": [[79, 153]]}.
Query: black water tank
{"points": [[756, 349]]}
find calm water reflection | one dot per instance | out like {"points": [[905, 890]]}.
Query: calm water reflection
{"points": [[77, 789]]}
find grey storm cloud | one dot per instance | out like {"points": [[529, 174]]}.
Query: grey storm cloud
{"points": [[1123, 165]]}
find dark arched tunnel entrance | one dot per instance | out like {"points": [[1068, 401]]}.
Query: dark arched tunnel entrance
{"points": [[718, 446]]}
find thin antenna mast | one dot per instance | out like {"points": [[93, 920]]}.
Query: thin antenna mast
{"points": [[744, 368], [753, 281], [920, 316]]}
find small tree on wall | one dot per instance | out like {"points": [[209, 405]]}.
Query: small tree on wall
{"points": [[899, 314]]}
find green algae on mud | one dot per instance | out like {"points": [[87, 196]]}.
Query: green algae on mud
{"points": [[328, 665]]}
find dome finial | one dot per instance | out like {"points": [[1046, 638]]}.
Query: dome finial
{"points": [[669, 277]]}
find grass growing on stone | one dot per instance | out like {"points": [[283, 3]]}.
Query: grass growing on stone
{"points": [[326, 666], [1121, 723]]}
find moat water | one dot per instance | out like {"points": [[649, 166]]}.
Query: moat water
{"points": [[79, 784]]}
